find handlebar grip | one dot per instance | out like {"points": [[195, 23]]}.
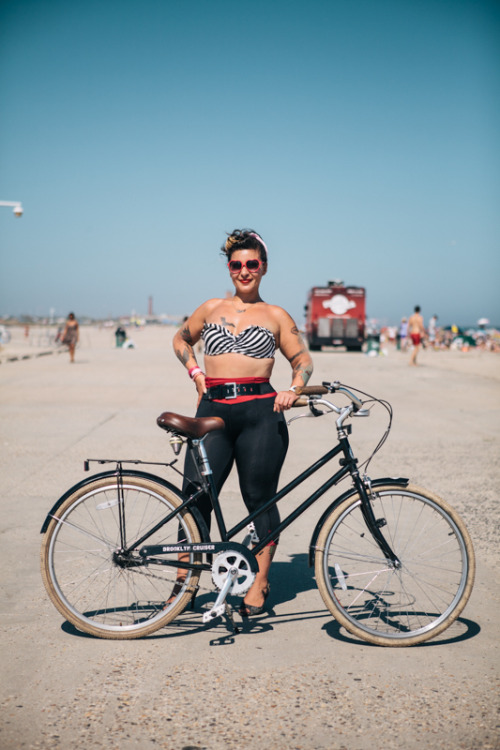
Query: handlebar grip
{"points": [[300, 402], [311, 390]]}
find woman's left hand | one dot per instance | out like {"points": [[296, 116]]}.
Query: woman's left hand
{"points": [[284, 400]]}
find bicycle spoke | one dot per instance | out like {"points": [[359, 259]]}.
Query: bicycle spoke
{"points": [[93, 581], [388, 604]]}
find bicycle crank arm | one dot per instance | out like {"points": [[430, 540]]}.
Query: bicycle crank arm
{"points": [[219, 608]]}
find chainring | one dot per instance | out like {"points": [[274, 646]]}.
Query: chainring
{"points": [[224, 562]]}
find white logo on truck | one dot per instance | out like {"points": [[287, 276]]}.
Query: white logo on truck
{"points": [[339, 304]]}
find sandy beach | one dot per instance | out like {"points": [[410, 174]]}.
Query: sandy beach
{"points": [[292, 679]]}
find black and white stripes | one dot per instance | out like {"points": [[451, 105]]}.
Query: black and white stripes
{"points": [[254, 341]]}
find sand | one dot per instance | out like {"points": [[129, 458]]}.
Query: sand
{"points": [[292, 679]]}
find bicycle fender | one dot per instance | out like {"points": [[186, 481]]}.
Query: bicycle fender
{"points": [[375, 483], [202, 526]]}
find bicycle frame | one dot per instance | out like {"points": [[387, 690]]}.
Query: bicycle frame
{"points": [[349, 466]]}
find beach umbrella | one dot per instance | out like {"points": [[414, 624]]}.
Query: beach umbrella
{"points": [[483, 322]]}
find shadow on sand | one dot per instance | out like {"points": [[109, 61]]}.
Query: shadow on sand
{"points": [[287, 581]]}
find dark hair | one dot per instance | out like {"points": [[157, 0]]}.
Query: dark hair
{"points": [[417, 309], [71, 315], [244, 239]]}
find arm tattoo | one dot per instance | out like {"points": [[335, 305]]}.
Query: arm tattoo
{"points": [[297, 360], [186, 336], [304, 372], [302, 351], [186, 355]]}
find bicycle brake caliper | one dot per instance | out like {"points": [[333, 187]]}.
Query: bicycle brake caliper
{"points": [[381, 522]]}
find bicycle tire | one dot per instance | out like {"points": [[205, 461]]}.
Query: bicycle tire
{"points": [[377, 602], [79, 570]]}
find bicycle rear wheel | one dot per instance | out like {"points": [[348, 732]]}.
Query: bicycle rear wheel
{"points": [[374, 600], [86, 581]]}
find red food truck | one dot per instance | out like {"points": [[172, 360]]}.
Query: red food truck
{"points": [[336, 316]]}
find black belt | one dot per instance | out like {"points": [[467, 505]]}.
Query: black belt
{"points": [[233, 390]]}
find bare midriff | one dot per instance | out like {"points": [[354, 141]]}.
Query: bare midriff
{"points": [[237, 366]]}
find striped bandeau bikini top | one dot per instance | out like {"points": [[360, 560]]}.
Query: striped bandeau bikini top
{"points": [[254, 341]]}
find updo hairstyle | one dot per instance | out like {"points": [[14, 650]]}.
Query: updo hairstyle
{"points": [[244, 239]]}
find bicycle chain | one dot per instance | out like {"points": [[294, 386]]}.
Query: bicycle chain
{"points": [[199, 587]]}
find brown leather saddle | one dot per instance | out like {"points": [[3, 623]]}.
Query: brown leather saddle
{"points": [[190, 427]]}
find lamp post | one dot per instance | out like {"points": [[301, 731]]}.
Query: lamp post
{"points": [[18, 209]]}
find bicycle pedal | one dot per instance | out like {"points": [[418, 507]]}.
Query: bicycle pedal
{"points": [[213, 613]]}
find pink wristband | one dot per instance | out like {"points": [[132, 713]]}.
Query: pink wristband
{"points": [[194, 371]]}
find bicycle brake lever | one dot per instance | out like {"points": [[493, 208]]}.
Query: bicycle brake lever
{"points": [[313, 412], [299, 416]]}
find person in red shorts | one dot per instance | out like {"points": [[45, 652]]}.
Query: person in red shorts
{"points": [[416, 331]]}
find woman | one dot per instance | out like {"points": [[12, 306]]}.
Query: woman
{"points": [[70, 335], [241, 334]]}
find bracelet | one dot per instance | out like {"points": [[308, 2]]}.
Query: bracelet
{"points": [[198, 373], [293, 387], [194, 371]]}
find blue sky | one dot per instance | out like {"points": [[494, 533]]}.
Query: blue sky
{"points": [[360, 138]]}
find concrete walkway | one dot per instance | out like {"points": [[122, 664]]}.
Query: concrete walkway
{"points": [[292, 679]]}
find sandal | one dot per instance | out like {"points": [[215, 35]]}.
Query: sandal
{"points": [[249, 610]]}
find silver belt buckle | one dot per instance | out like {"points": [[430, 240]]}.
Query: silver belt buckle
{"points": [[234, 394]]}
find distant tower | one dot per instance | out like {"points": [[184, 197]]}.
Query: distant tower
{"points": [[150, 306]]}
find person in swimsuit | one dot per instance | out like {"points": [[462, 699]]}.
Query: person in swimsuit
{"points": [[416, 330], [241, 335], [70, 335]]}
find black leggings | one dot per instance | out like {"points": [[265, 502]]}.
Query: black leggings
{"points": [[256, 438]]}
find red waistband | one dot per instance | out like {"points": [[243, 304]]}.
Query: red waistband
{"points": [[209, 382], [220, 381]]}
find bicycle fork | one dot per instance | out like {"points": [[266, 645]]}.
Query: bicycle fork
{"points": [[374, 524], [364, 488]]}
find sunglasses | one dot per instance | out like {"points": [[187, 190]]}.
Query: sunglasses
{"points": [[252, 265]]}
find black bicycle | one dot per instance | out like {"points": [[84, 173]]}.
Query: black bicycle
{"points": [[123, 550]]}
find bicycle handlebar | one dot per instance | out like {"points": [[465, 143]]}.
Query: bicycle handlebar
{"points": [[312, 390], [321, 390], [300, 402]]}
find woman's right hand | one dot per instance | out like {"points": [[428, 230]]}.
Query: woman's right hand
{"points": [[201, 388]]}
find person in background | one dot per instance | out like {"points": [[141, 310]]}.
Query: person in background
{"points": [[402, 334], [241, 334], [432, 330], [416, 331], [70, 335]]}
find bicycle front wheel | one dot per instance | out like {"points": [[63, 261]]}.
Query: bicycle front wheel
{"points": [[96, 590], [373, 599]]}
